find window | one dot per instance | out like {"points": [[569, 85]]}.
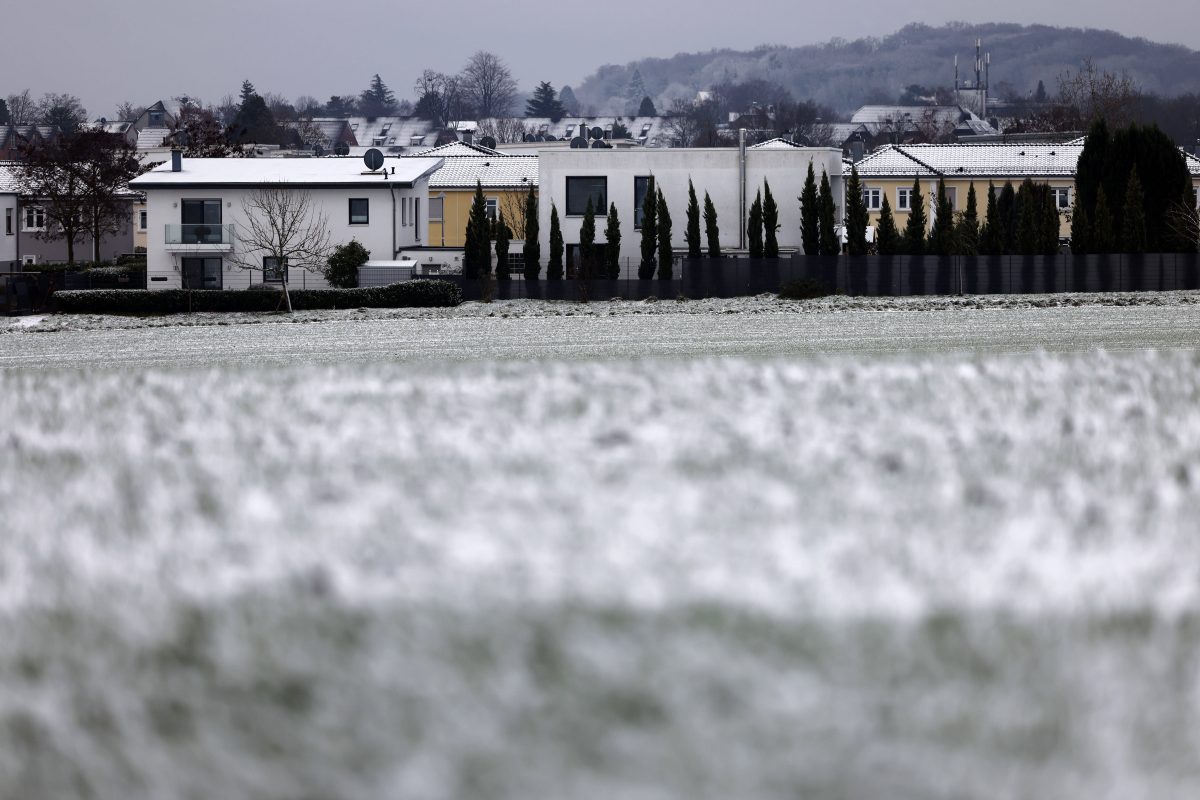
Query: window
{"points": [[1196, 196], [580, 190], [1062, 197], [201, 273], [872, 198], [904, 199], [35, 218], [8, 222], [640, 187], [201, 221], [360, 211], [141, 220], [416, 141], [435, 209], [417, 217], [492, 205], [274, 269], [156, 119], [403, 212]]}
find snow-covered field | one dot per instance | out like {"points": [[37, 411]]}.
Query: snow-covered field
{"points": [[772, 553]]}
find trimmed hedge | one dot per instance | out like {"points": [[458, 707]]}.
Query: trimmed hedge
{"points": [[409, 294], [804, 289]]}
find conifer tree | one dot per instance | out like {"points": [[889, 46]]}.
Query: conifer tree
{"points": [[647, 109], [831, 243], [612, 248], [477, 251], [649, 234], [1007, 211], [666, 256], [887, 240], [1051, 222], [711, 232], [377, 100], [989, 235], [503, 239], [857, 218], [1081, 233], [810, 215], [1133, 224], [532, 254], [966, 233], [1027, 236], [770, 212], [545, 103], [692, 233], [941, 235], [1104, 237], [587, 243], [914, 229], [754, 227], [554, 270]]}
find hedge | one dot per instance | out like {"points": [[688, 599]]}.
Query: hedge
{"points": [[409, 294]]}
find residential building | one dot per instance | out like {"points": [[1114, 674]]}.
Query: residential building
{"points": [[199, 209], [638, 131], [15, 138], [567, 179], [10, 210]]}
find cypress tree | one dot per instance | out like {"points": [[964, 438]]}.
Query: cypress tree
{"points": [[1133, 225], [649, 234], [587, 243], [554, 270], [857, 218], [914, 229], [989, 235], [831, 243], [1028, 238], [887, 241], [810, 215], [666, 255], [1006, 210], [941, 235], [532, 254], [477, 251], [692, 234], [711, 231], [503, 238], [612, 249], [966, 233], [1052, 223], [770, 212], [1081, 234], [754, 227], [1103, 233]]}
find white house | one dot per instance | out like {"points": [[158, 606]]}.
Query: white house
{"points": [[197, 209], [10, 210], [731, 177]]}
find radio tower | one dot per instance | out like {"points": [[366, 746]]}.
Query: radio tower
{"points": [[983, 64]]}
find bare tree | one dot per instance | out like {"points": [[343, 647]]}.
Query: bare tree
{"points": [[128, 111], [505, 130], [512, 207], [1094, 94], [63, 111], [934, 127], [280, 230], [1184, 221], [309, 106], [682, 124], [22, 109], [439, 96], [488, 85]]}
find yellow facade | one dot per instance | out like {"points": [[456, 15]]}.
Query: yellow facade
{"points": [[450, 229]]}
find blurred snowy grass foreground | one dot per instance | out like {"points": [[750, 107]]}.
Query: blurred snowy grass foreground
{"points": [[946, 575]]}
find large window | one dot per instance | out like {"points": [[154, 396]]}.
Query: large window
{"points": [[360, 211], [872, 198], [201, 273], [201, 221], [580, 190], [35, 218], [1062, 197], [641, 186], [952, 196], [492, 205], [904, 199], [8, 222], [274, 269], [435, 209]]}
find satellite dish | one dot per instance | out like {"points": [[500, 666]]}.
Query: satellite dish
{"points": [[373, 159], [597, 133], [488, 142], [599, 145], [541, 137], [551, 138], [341, 149], [529, 137], [579, 143], [318, 151]]}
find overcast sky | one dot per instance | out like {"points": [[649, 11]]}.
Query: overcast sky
{"points": [[106, 51]]}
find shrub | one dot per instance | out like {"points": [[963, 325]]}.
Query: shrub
{"points": [[342, 268], [804, 289], [409, 294]]}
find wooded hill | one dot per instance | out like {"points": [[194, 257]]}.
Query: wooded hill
{"points": [[846, 75]]}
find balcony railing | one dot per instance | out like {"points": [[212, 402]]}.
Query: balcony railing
{"points": [[199, 235]]}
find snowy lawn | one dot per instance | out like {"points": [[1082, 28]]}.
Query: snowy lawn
{"points": [[948, 553]]}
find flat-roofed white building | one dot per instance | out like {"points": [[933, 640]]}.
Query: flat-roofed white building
{"points": [[196, 207]]}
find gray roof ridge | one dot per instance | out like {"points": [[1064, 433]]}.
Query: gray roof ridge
{"points": [[918, 161]]}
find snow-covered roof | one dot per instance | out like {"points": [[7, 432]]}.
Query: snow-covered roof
{"points": [[501, 172], [393, 134], [151, 138], [294, 171], [646, 131], [1193, 163], [972, 160], [8, 178], [777, 143], [457, 149]]}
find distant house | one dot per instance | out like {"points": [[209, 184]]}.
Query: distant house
{"points": [[10, 209], [917, 124], [15, 138], [195, 211], [640, 131], [323, 134]]}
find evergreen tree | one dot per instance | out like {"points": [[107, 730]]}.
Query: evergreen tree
{"points": [[1051, 222], [545, 103], [1007, 211], [770, 213], [503, 239], [612, 248], [1027, 238], [567, 98], [247, 91], [377, 99], [666, 253], [532, 255], [254, 121], [649, 234], [647, 109], [966, 233], [941, 235], [989, 235], [636, 90], [857, 218], [810, 215], [477, 250], [914, 229], [831, 243], [711, 232], [554, 270], [1081, 234], [888, 239], [692, 234], [1104, 238], [1133, 224], [754, 227], [1039, 96], [587, 243]]}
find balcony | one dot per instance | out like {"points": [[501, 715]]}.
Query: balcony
{"points": [[199, 238]]}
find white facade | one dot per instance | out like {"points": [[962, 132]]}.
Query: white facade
{"points": [[9, 225], [717, 171], [395, 209]]}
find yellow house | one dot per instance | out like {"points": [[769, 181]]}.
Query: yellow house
{"points": [[505, 180]]}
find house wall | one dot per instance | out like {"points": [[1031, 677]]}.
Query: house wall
{"points": [[712, 170], [139, 231], [451, 231], [9, 260], [49, 250], [164, 208]]}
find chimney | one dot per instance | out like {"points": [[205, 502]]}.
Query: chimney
{"points": [[176, 160], [468, 135], [856, 150]]}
